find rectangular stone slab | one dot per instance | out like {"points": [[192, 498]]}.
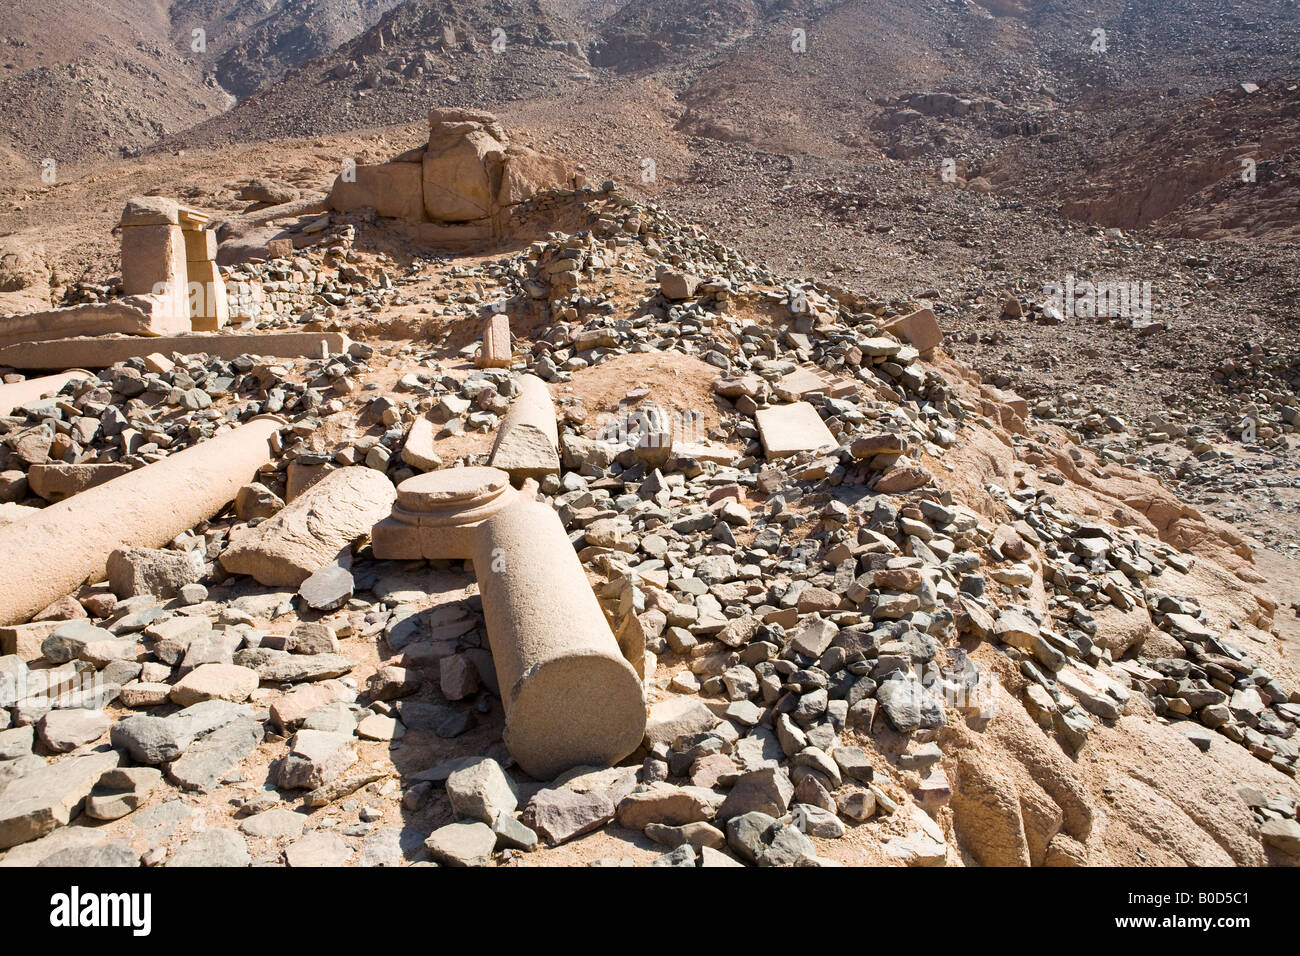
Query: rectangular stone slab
{"points": [[789, 429], [106, 351]]}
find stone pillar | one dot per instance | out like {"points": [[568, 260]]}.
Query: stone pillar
{"points": [[570, 697], [153, 258], [51, 553], [20, 393], [527, 443], [497, 348], [209, 310]]}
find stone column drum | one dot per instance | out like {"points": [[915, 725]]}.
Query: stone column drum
{"points": [[54, 551], [528, 440], [570, 697]]}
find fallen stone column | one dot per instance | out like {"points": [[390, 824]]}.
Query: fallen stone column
{"points": [[20, 393], [570, 697], [103, 352], [528, 441], [54, 551]]}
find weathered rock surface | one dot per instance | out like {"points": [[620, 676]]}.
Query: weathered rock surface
{"points": [[311, 531]]}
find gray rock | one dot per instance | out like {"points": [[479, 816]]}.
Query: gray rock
{"points": [[207, 760], [334, 718], [15, 742], [481, 791], [698, 835], [315, 758], [327, 589], [281, 667], [684, 855], [817, 821], [512, 834], [50, 796], [745, 834], [69, 641], [66, 730], [462, 844], [900, 699], [211, 848], [101, 855], [318, 848], [854, 763], [559, 814], [155, 740], [122, 791], [276, 824], [1282, 834], [785, 846], [760, 791], [136, 571]]}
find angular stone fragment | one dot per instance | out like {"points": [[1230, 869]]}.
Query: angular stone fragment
{"points": [[767, 790], [255, 500], [292, 709], [214, 847], [315, 758], [65, 730], [122, 791], [49, 797], [275, 824], [919, 328], [676, 285], [318, 848], [312, 530], [666, 804], [462, 844], [134, 571], [207, 760], [675, 716], [559, 814], [215, 682], [327, 589], [481, 790], [281, 667], [154, 740]]}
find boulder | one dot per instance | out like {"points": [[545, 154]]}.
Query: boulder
{"points": [[312, 530], [135, 571]]}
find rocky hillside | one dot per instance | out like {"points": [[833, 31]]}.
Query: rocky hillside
{"points": [[118, 75], [253, 44], [422, 51]]}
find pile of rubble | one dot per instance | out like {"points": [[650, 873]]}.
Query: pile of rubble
{"points": [[833, 624]]}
